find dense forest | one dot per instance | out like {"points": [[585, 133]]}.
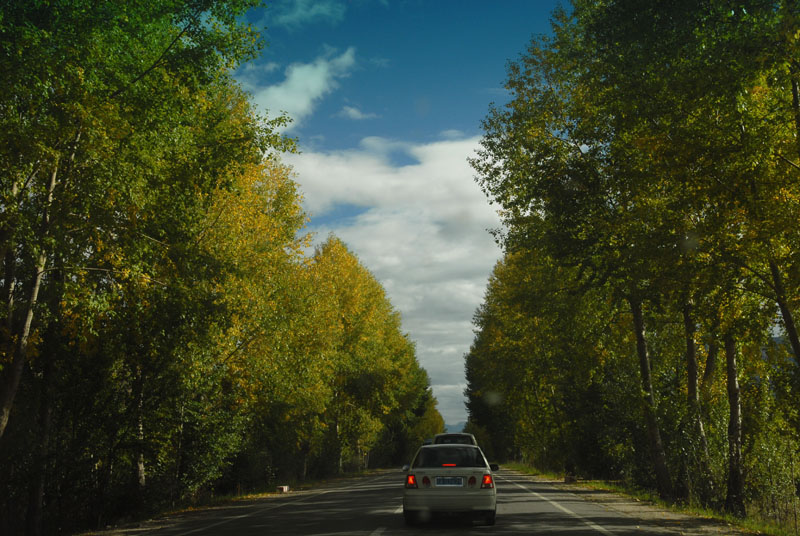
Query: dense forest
{"points": [[164, 335], [642, 325]]}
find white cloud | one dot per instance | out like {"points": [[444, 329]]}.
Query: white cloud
{"points": [[451, 134], [350, 112], [304, 85], [423, 234], [382, 63], [251, 69], [293, 13]]}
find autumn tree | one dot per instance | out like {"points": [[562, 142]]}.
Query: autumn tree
{"points": [[163, 332], [87, 130], [645, 149], [373, 362]]}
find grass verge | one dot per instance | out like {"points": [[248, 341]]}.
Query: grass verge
{"points": [[214, 500], [755, 526]]}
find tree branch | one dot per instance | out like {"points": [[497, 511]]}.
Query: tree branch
{"points": [[105, 270], [157, 63], [789, 162]]}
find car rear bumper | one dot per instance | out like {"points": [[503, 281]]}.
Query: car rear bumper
{"points": [[441, 502]]}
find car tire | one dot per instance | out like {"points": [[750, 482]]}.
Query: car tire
{"points": [[490, 517], [410, 517]]}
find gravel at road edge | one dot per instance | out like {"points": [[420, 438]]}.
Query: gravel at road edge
{"points": [[684, 524]]}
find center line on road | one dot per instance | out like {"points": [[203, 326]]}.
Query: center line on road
{"points": [[566, 510], [378, 531]]}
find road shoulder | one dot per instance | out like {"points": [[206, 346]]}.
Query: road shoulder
{"points": [[681, 523]]}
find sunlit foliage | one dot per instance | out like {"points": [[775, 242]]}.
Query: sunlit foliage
{"points": [[642, 323], [164, 336]]}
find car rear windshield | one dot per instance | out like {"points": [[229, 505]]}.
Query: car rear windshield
{"points": [[450, 457]]}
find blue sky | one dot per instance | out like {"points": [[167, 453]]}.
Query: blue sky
{"points": [[386, 98]]}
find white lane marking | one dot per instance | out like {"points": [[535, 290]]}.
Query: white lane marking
{"points": [[564, 509], [377, 532], [399, 510]]}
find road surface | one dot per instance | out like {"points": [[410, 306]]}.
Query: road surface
{"points": [[372, 506]]}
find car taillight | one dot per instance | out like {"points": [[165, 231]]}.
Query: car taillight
{"points": [[411, 481], [426, 481], [471, 483], [487, 481]]}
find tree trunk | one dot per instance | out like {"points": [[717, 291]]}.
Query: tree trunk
{"points": [[141, 479], [659, 457], [786, 313], [8, 389], [339, 450], [9, 269], [710, 371], [10, 282], [36, 498], [14, 372], [734, 500], [176, 485], [693, 403], [692, 374], [796, 103]]}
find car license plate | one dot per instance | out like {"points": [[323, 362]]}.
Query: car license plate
{"points": [[449, 481]]}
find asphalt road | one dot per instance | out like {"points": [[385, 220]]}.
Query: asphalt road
{"points": [[372, 506]]}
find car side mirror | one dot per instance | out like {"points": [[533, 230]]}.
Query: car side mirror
{"points": [[494, 467], [406, 467]]}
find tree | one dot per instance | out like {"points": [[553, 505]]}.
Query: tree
{"points": [[372, 360], [74, 103], [643, 152], [164, 334], [551, 159]]}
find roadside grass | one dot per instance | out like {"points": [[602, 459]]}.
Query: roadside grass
{"points": [[210, 500], [756, 526]]}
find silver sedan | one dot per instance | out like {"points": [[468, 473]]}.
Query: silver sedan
{"points": [[449, 478]]}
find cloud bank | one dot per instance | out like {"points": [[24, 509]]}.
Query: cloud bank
{"points": [[422, 230], [411, 212]]}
